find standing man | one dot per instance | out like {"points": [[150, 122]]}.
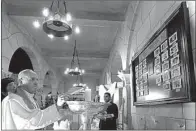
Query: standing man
{"points": [[20, 111], [108, 121]]}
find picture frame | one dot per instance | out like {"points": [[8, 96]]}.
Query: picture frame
{"points": [[141, 93], [144, 63], [164, 56], [136, 68], [157, 60], [158, 79], [164, 46], [174, 49], [166, 76], [146, 92], [157, 69], [177, 83], [173, 38], [165, 65], [145, 70], [145, 78], [157, 52], [175, 72], [175, 60], [167, 85]]}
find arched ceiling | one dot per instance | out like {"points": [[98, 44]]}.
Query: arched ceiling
{"points": [[99, 22]]}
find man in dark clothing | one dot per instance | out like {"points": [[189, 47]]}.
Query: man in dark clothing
{"points": [[8, 85], [108, 122]]}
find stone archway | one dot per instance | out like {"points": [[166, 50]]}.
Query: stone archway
{"points": [[23, 58]]}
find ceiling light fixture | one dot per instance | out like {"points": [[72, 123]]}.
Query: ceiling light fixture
{"points": [[57, 20], [79, 82], [75, 67]]}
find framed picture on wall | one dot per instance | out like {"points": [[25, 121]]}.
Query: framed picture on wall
{"points": [[157, 69], [164, 46], [157, 60], [175, 60], [166, 76], [174, 49], [164, 56], [175, 72], [167, 85], [165, 65], [158, 79], [176, 83], [173, 38], [157, 52]]}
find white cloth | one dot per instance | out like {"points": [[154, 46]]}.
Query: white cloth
{"points": [[17, 115]]}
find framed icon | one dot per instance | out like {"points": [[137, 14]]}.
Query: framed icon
{"points": [[141, 93], [174, 49], [157, 52], [177, 83], [136, 68], [145, 70], [146, 92], [145, 78], [175, 72], [164, 56], [173, 38], [164, 46], [157, 60], [166, 76], [175, 60], [158, 79], [165, 65], [167, 85], [144, 63], [157, 69]]}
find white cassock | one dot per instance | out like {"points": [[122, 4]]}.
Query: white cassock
{"points": [[17, 115]]}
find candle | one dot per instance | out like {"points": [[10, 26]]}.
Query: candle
{"points": [[87, 94]]}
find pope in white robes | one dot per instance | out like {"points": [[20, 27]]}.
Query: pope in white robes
{"points": [[20, 111]]}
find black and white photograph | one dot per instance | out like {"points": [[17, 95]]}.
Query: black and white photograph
{"points": [[173, 38], [157, 60], [164, 46], [158, 79], [157, 69], [144, 63], [157, 52], [175, 60], [164, 56], [177, 83], [97, 65], [166, 76], [165, 66], [136, 68], [175, 72], [167, 85], [174, 49], [142, 93], [146, 92], [140, 66], [145, 78]]}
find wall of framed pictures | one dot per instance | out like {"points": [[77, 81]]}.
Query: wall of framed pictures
{"points": [[163, 70]]}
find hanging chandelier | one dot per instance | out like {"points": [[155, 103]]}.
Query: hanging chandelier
{"points": [[75, 65], [57, 21], [79, 82]]}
